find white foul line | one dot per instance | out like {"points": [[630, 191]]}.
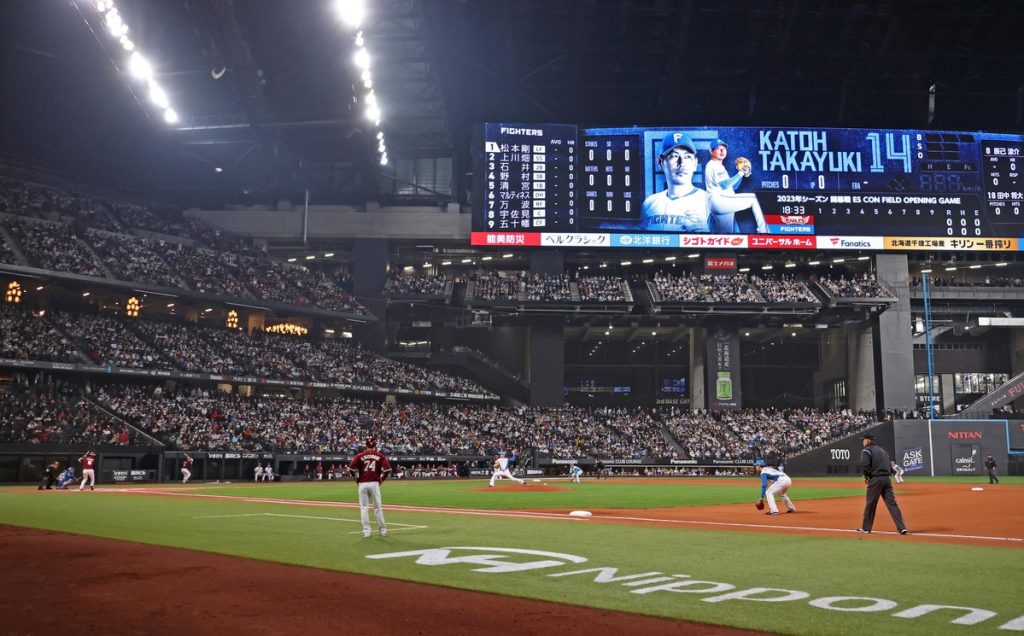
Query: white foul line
{"points": [[559, 516]]}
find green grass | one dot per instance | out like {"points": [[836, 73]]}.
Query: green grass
{"points": [[475, 494], [907, 573]]}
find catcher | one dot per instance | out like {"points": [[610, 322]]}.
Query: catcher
{"points": [[725, 202], [780, 483]]}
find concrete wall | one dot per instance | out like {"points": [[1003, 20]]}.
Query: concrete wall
{"points": [[336, 222]]}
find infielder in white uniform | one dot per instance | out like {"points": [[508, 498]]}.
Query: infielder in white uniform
{"points": [[725, 203], [574, 472], [681, 207], [897, 473], [501, 470], [780, 483]]}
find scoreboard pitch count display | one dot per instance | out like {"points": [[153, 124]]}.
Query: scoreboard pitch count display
{"points": [[803, 188]]}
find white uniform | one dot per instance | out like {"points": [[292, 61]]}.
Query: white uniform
{"points": [[897, 473], [259, 472], [780, 483], [725, 203], [574, 473], [501, 471], [686, 213], [268, 473]]}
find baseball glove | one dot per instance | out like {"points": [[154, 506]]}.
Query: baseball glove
{"points": [[760, 504], [744, 166]]}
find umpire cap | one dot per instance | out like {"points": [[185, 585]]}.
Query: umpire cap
{"points": [[870, 436]]}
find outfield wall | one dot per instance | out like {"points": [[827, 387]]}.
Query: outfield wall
{"points": [[945, 447]]}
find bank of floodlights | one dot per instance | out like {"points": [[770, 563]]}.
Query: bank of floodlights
{"points": [[138, 65], [352, 13]]}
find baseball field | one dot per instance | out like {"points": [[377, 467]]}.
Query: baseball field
{"points": [[654, 556]]}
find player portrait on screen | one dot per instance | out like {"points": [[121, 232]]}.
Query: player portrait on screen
{"points": [[681, 206], [729, 210]]}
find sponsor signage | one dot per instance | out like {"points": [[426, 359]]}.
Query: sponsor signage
{"points": [[657, 586], [965, 458], [849, 242], [912, 459]]}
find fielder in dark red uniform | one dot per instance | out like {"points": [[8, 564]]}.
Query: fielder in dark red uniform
{"points": [[370, 468]]}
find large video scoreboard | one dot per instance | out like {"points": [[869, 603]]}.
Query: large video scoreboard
{"points": [[805, 188]]}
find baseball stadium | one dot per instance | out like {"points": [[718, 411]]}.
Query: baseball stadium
{"points": [[537, 317]]}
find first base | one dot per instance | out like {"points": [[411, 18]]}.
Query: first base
{"points": [[977, 488], [581, 513]]}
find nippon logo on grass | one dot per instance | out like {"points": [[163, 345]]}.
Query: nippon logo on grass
{"points": [[490, 560]]}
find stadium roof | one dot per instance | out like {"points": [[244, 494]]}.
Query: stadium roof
{"points": [[266, 90]]}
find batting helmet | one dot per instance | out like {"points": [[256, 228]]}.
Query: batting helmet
{"points": [[760, 463], [371, 442]]}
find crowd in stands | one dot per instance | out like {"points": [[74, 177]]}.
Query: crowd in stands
{"points": [[545, 287], [132, 343], [132, 259], [863, 286], [58, 413], [983, 281], [44, 202], [496, 285], [676, 288], [784, 290], [6, 253], [730, 289], [399, 284], [34, 336], [205, 418], [52, 246], [754, 433], [602, 289], [206, 260]]}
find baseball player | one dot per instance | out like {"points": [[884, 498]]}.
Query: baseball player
{"points": [[186, 469], [780, 483], [681, 207], [88, 462], [897, 473], [67, 477], [258, 471], [370, 469], [268, 472], [574, 472], [501, 470], [725, 203]]}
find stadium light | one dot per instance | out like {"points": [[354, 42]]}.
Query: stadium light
{"points": [[926, 271], [158, 96], [790, 265], [626, 263], [669, 259], [863, 258], [487, 258], [140, 67], [311, 257], [975, 267], [648, 260], [170, 116], [951, 269], [997, 265], [362, 58], [292, 259], [507, 255], [814, 262], [328, 254], [767, 267], [351, 12], [838, 260], [743, 269], [446, 262]]}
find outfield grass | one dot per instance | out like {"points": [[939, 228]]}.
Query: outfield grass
{"points": [[905, 573]]}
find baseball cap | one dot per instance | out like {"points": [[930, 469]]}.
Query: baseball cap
{"points": [[718, 142], [673, 140], [760, 463], [869, 436]]}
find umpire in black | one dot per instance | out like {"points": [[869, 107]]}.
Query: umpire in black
{"points": [[877, 469]]}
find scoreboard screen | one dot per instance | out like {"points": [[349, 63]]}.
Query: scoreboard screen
{"points": [[747, 188]]}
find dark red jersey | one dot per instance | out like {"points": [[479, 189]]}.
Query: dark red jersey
{"points": [[88, 462], [186, 463], [371, 465]]}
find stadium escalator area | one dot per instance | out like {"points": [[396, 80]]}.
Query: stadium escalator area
{"points": [[988, 405]]}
